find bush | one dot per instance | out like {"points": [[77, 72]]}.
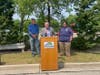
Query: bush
{"points": [[98, 40], [82, 44]]}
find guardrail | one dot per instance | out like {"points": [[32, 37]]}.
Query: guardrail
{"points": [[13, 46]]}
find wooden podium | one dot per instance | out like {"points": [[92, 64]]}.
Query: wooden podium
{"points": [[49, 53]]}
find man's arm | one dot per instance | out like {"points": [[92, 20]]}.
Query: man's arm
{"points": [[37, 31], [53, 32], [41, 32], [30, 32], [71, 34], [71, 38]]}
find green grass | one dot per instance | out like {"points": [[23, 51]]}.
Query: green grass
{"points": [[81, 57], [26, 58], [19, 58]]}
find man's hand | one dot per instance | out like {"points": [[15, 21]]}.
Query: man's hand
{"points": [[34, 36], [71, 38]]}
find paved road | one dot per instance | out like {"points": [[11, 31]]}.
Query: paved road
{"points": [[70, 73]]}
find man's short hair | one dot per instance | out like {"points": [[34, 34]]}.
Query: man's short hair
{"points": [[65, 22], [32, 19]]}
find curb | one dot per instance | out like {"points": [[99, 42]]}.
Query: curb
{"points": [[82, 64], [20, 65], [37, 65], [35, 68]]}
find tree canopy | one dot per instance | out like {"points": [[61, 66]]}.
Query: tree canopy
{"points": [[86, 18], [6, 23], [87, 21]]}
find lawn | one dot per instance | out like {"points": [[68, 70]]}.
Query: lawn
{"points": [[26, 58], [19, 58], [81, 57]]}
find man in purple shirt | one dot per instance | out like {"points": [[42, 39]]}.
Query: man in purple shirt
{"points": [[65, 38]]}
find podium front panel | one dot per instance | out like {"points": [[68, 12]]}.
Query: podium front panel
{"points": [[49, 53]]}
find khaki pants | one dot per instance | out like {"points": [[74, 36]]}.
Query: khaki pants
{"points": [[65, 48]]}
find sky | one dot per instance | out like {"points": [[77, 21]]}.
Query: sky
{"points": [[66, 14]]}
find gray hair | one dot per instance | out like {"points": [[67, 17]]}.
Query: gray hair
{"points": [[46, 23]]}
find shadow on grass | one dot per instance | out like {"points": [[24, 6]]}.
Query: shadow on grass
{"points": [[2, 63], [10, 51], [60, 64], [61, 61]]}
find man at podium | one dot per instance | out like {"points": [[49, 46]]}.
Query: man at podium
{"points": [[49, 49], [47, 31]]}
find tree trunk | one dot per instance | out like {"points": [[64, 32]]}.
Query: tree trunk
{"points": [[21, 28], [49, 19], [21, 25]]}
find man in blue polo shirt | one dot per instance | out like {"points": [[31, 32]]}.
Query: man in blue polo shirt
{"points": [[33, 30]]}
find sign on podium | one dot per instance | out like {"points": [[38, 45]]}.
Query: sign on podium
{"points": [[49, 53]]}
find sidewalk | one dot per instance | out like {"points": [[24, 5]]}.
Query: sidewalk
{"points": [[35, 68]]}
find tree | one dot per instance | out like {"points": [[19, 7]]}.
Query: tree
{"points": [[87, 22], [6, 22], [51, 8], [97, 8], [24, 8], [71, 19]]}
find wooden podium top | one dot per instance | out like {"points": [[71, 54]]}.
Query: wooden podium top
{"points": [[52, 37]]}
